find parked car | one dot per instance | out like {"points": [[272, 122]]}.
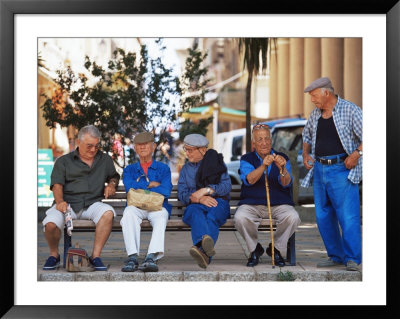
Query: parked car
{"points": [[287, 138], [232, 144]]}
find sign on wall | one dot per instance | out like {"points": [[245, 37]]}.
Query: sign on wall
{"points": [[45, 166]]}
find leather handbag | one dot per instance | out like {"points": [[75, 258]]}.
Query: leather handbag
{"points": [[145, 199]]}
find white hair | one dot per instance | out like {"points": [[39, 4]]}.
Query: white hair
{"points": [[327, 89], [91, 130], [262, 128]]}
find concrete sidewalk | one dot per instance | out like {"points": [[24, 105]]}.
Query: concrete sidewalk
{"points": [[229, 263]]}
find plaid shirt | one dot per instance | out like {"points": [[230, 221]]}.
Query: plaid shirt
{"points": [[348, 121]]}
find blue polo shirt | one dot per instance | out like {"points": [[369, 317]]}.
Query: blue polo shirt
{"points": [[255, 194]]}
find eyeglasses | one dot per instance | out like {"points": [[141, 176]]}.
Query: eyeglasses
{"points": [[265, 139], [260, 126], [90, 146], [189, 150]]}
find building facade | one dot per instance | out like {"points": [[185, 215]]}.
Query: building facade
{"points": [[296, 62]]}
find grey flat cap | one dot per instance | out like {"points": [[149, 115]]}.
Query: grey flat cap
{"points": [[319, 83], [196, 140], [144, 137]]}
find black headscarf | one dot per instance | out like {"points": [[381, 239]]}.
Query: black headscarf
{"points": [[211, 168]]}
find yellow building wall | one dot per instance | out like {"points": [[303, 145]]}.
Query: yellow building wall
{"points": [[296, 62]]}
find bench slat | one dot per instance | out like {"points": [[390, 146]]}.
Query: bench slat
{"points": [[173, 196], [172, 223], [235, 188]]}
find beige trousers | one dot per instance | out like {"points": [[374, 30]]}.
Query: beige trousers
{"points": [[248, 217]]}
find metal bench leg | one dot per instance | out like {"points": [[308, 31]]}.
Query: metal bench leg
{"points": [[67, 244], [291, 250]]}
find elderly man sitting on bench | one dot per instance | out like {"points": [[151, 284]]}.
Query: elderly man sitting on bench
{"points": [[204, 186]]}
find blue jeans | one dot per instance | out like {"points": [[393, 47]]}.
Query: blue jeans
{"points": [[205, 220], [337, 202]]}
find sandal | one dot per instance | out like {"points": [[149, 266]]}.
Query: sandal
{"points": [[131, 265], [148, 265]]}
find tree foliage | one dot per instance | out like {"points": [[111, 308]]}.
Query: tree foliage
{"points": [[193, 85], [134, 94], [193, 81], [188, 127]]}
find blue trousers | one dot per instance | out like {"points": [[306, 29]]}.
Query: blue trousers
{"points": [[205, 220], [337, 202]]}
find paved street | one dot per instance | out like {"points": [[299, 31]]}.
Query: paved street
{"points": [[229, 263]]}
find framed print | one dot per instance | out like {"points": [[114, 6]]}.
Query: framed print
{"points": [[22, 22]]}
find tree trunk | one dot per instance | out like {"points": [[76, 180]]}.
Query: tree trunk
{"points": [[248, 112]]}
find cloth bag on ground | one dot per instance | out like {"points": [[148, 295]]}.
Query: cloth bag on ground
{"points": [[78, 260], [145, 199]]}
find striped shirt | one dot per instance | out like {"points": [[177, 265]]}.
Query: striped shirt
{"points": [[348, 122]]}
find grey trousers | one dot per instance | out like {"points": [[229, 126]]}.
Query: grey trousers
{"points": [[247, 219]]}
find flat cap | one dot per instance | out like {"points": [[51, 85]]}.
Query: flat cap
{"points": [[144, 137], [319, 83], [196, 140]]}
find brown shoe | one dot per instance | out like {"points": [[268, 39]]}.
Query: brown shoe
{"points": [[352, 266], [208, 245], [200, 257]]}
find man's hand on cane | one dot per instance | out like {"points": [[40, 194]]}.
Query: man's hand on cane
{"points": [[268, 160], [279, 161]]}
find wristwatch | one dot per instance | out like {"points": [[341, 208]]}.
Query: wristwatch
{"points": [[359, 151], [114, 183], [208, 190]]}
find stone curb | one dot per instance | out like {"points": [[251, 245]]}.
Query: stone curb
{"points": [[202, 276]]}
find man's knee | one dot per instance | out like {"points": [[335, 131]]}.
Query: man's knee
{"points": [[294, 219], [51, 228], [238, 219], [240, 216], [107, 217], [165, 215]]}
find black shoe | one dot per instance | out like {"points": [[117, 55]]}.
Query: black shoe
{"points": [[279, 261], [255, 256]]}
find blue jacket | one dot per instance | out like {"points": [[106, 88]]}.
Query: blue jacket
{"points": [[256, 194], [187, 183], [157, 172]]}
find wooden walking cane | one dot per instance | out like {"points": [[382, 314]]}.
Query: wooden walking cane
{"points": [[270, 219]]}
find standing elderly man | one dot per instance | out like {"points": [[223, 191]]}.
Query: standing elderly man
{"points": [[253, 201], [204, 186], [333, 134], [150, 175], [78, 180]]}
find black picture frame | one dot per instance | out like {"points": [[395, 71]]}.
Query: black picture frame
{"points": [[8, 10]]}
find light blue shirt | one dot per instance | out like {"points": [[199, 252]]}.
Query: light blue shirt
{"points": [[348, 122], [187, 183]]}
